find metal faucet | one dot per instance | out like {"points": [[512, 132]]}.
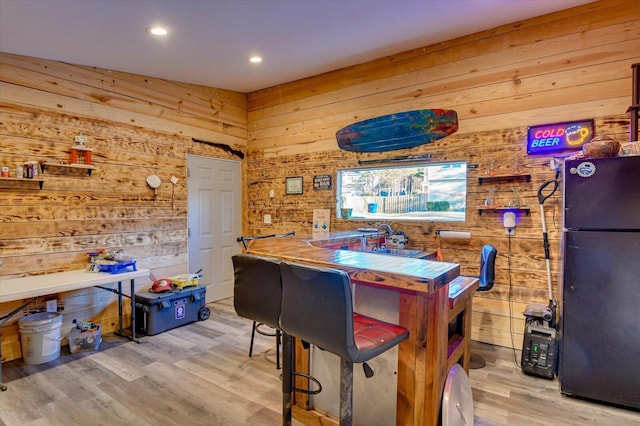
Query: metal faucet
{"points": [[388, 230]]}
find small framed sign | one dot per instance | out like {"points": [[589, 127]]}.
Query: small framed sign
{"points": [[294, 185], [322, 182]]}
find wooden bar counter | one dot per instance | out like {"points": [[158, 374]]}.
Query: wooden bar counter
{"points": [[424, 309]]}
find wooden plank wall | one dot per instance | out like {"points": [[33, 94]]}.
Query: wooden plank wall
{"points": [[135, 125], [570, 65], [574, 64]]}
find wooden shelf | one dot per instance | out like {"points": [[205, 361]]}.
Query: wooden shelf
{"points": [[526, 210], [63, 166], [507, 177], [9, 182]]}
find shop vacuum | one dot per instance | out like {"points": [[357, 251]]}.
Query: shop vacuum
{"points": [[540, 344]]}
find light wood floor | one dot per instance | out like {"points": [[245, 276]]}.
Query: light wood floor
{"points": [[200, 374]]}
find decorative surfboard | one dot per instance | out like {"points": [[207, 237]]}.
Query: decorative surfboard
{"points": [[398, 131]]}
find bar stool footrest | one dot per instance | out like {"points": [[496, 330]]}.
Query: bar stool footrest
{"points": [[265, 333], [307, 391]]}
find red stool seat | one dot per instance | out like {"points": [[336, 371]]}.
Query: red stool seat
{"points": [[370, 333]]}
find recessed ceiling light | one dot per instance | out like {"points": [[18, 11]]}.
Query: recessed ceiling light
{"points": [[255, 59], [158, 31]]}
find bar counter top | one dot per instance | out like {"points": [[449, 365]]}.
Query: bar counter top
{"points": [[403, 273]]}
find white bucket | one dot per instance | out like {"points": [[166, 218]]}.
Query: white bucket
{"points": [[40, 337]]}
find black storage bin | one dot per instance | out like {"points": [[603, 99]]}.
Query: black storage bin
{"points": [[158, 312]]}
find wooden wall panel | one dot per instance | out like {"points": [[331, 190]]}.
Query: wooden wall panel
{"points": [[571, 22], [135, 125], [570, 65]]}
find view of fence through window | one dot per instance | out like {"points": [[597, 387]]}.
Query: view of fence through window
{"points": [[433, 192]]}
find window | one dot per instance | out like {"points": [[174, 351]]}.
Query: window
{"points": [[432, 192]]}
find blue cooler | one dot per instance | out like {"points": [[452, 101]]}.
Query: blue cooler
{"points": [[158, 312]]}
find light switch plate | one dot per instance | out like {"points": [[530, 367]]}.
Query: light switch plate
{"points": [[267, 218]]}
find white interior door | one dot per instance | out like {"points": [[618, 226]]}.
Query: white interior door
{"points": [[215, 221]]}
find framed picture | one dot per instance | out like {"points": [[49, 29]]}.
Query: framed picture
{"points": [[294, 185]]}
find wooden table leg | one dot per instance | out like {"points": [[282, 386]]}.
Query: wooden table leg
{"points": [[437, 349], [422, 359], [411, 360]]}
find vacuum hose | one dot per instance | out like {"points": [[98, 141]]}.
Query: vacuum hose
{"points": [[542, 197]]}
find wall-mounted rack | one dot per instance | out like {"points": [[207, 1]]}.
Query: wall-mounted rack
{"points": [[506, 177], [526, 210], [63, 166], [10, 182]]}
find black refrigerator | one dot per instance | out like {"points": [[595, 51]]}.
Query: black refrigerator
{"points": [[600, 315]]}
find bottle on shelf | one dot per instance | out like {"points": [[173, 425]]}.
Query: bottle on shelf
{"points": [[491, 167], [516, 199], [490, 201]]}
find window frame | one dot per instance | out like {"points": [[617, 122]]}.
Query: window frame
{"points": [[457, 214]]}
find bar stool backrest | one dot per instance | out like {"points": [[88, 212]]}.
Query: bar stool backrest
{"points": [[257, 290], [317, 308], [487, 267]]}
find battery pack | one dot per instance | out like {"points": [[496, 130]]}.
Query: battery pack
{"points": [[158, 312], [539, 351]]}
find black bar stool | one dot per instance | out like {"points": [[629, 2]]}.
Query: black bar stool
{"points": [[487, 279], [317, 308], [256, 324], [257, 294]]}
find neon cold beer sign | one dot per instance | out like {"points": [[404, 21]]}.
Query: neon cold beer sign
{"points": [[556, 137]]}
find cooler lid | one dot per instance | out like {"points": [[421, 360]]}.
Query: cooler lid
{"points": [[149, 298]]}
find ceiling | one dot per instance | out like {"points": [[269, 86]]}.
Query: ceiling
{"points": [[210, 41]]}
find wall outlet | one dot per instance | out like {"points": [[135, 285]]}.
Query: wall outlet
{"points": [[510, 231], [52, 305], [267, 218], [272, 193]]}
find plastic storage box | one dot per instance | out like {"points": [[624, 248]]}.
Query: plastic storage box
{"points": [[185, 280], [158, 312], [83, 341], [119, 267]]}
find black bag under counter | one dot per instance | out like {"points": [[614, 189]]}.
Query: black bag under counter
{"points": [[158, 312]]}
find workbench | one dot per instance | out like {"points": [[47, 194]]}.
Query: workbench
{"points": [[26, 288]]}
